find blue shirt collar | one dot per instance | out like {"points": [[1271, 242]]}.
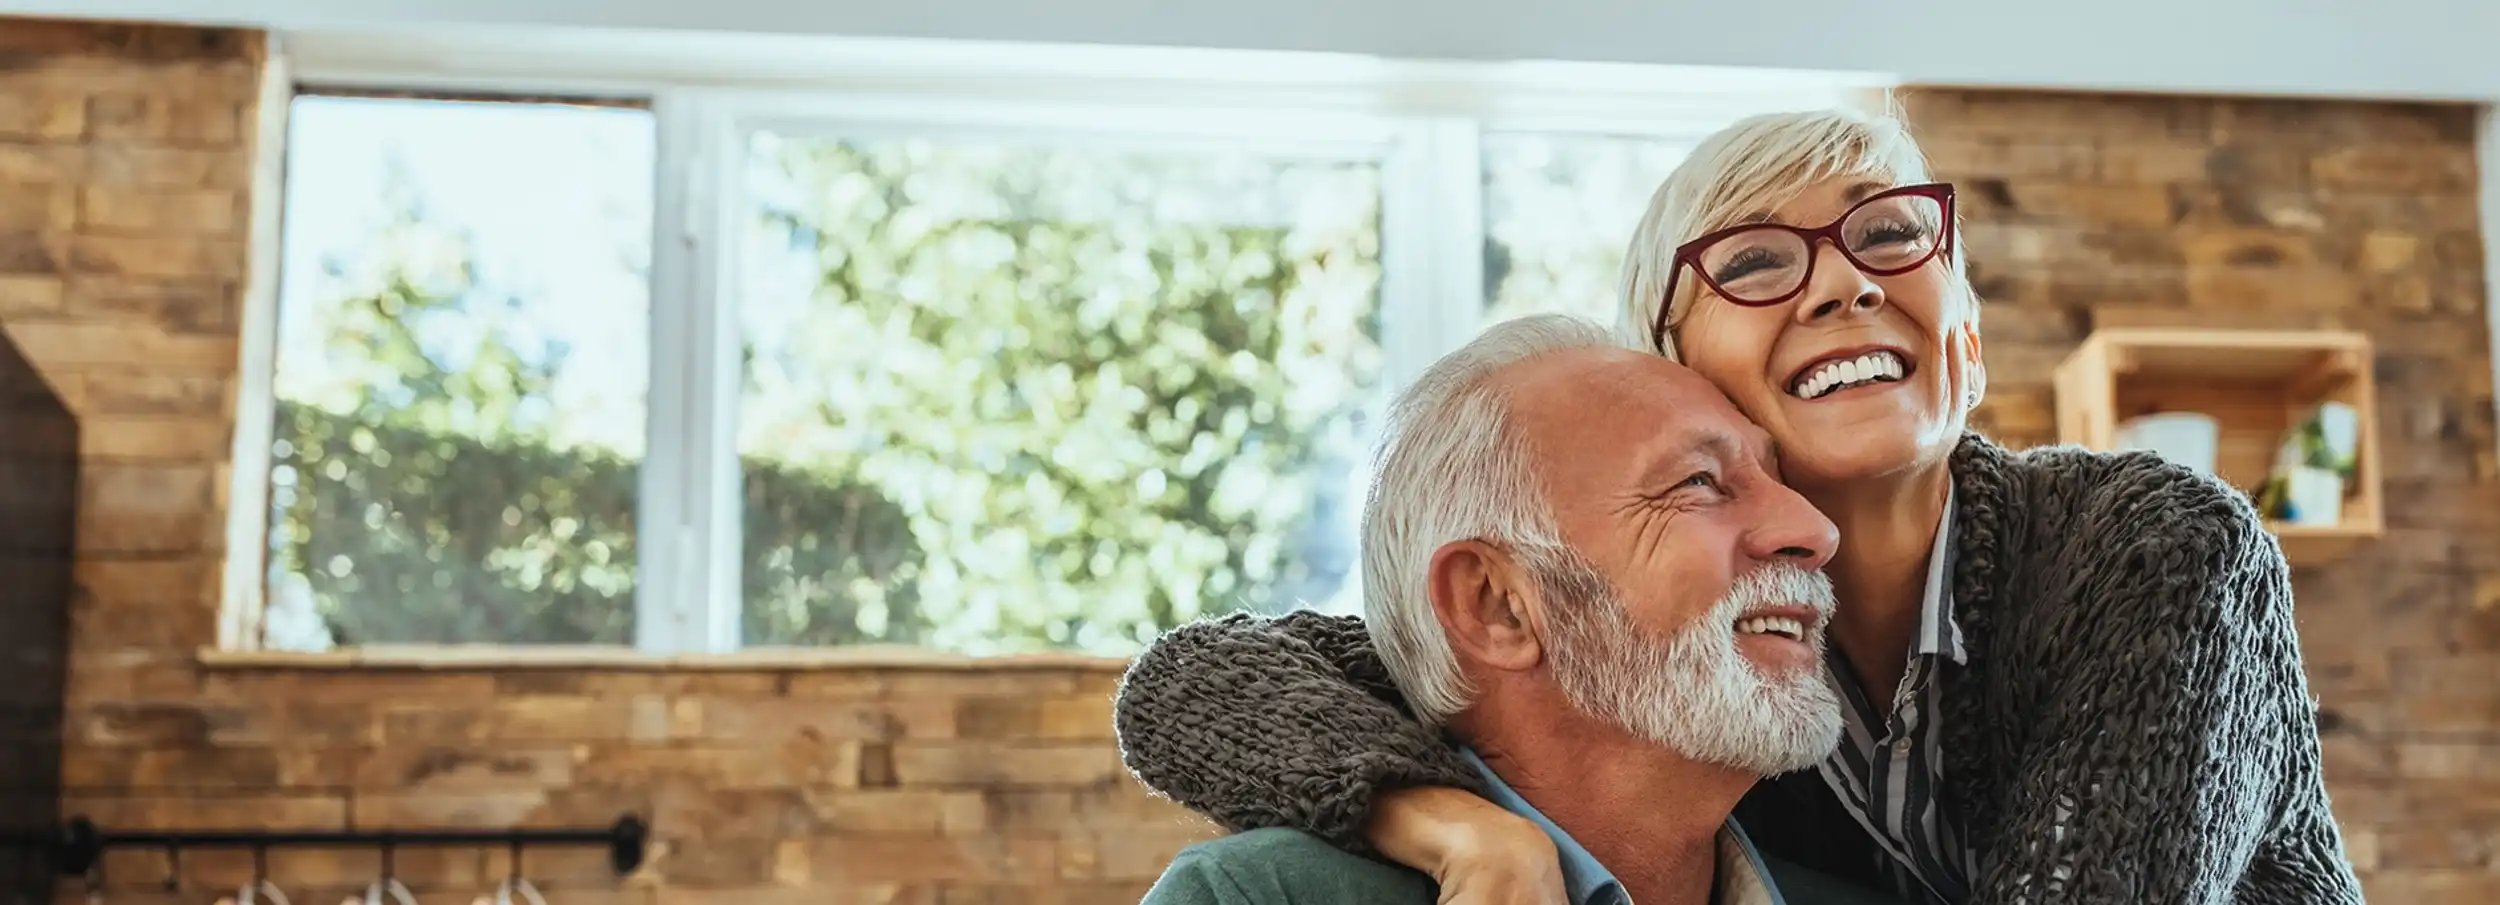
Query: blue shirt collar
{"points": [[1590, 883]]}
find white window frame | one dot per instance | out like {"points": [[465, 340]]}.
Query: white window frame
{"points": [[1422, 122]]}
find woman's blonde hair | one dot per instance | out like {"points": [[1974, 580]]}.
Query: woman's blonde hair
{"points": [[1754, 165]]}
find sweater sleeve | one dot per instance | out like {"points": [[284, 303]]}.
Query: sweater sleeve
{"points": [[2189, 742], [1276, 722]]}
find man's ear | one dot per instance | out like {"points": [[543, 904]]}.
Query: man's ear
{"points": [[1481, 595]]}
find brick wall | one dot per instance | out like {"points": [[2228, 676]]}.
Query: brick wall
{"points": [[2106, 211], [764, 786], [123, 175], [125, 161]]}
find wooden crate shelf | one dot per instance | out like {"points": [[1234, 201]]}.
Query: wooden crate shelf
{"points": [[2255, 384]]}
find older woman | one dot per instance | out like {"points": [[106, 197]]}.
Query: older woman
{"points": [[2071, 676]]}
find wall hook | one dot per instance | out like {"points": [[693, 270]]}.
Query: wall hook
{"points": [[95, 882]]}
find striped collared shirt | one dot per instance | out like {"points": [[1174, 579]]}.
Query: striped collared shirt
{"points": [[1889, 768]]}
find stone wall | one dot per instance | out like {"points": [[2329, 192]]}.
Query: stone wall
{"points": [[126, 160], [2089, 211]]}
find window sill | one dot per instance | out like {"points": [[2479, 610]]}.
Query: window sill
{"points": [[500, 657]]}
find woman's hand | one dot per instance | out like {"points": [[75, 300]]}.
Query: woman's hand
{"points": [[1479, 853]]}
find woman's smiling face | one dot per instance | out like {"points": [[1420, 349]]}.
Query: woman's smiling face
{"points": [[1857, 368], [1859, 374]]}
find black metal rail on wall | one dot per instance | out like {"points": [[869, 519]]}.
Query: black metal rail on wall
{"points": [[83, 844]]}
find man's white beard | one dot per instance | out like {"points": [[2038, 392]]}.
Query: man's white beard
{"points": [[1695, 693]]}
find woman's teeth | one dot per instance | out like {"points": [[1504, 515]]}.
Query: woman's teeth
{"points": [[1834, 376], [1779, 625]]}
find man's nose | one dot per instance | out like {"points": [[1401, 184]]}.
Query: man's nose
{"points": [[1791, 529]]}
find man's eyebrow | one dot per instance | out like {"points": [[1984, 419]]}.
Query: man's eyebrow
{"points": [[1680, 451], [1722, 446], [1715, 444], [1671, 453], [1733, 448]]}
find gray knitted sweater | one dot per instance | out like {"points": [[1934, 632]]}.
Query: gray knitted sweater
{"points": [[2133, 725]]}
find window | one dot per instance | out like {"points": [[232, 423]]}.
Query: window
{"points": [[1005, 368], [463, 352], [1006, 396], [1558, 208]]}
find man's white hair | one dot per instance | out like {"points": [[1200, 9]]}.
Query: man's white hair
{"points": [[1451, 467], [1754, 165]]}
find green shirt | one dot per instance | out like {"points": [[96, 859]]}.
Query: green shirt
{"points": [[1290, 867]]}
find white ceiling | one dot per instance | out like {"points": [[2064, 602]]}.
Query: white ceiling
{"points": [[2425, 49]]}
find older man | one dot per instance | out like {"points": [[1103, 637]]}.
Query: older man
{"points": [[1621, 643]]}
